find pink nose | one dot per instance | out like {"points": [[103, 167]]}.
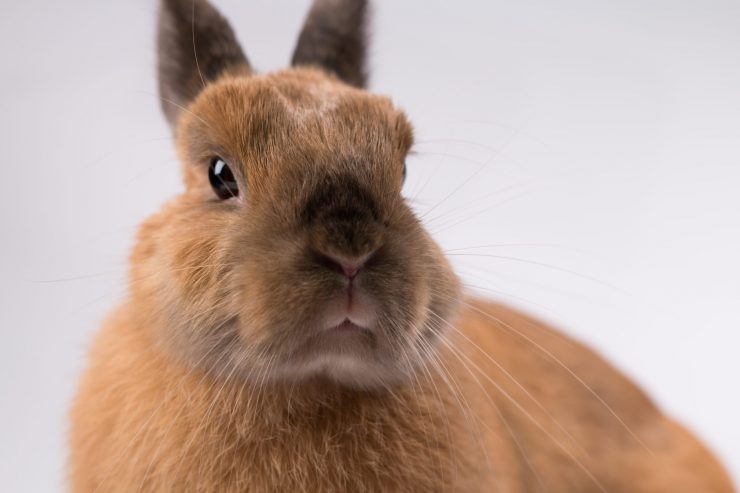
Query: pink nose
{"points": [[349, 269]]}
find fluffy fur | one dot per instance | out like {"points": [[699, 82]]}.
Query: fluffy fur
{"points": [[224, 370]]}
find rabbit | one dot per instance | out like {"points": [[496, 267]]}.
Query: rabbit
{"points": [[291, 326]]}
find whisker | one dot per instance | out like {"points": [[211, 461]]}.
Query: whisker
{"points": [[455, 190], [179, 106], [533, 420], [457, 392], [501, 415], [447, 226], [519, 245], [517, 383], [469, 204], [544, 265], [560, 363], [455, 141], [195, 51]]}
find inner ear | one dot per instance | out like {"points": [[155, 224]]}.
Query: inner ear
{"points": [[195, 45], [334, 37]]}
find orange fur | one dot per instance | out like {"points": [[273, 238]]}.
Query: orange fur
{"points": [[222, 370], [142, 419]]}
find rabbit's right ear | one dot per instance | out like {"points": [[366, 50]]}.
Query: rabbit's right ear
{"points": [[334, 37], [195, 45]]}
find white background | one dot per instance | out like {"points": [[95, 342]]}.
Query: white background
{"points": [[601, 138]]}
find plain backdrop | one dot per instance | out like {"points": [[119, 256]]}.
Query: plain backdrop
{"points": [[578, 159]]}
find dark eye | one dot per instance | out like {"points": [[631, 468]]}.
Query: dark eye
{"points": [[403, 175], [222, 179]]}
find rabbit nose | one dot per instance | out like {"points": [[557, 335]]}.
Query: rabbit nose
{"points": [[349, 268]]}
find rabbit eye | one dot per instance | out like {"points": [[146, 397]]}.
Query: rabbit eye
{"points": [[222, 179], [403, 173]]}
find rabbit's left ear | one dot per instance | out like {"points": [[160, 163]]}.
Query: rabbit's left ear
{"points": [[195, 45], [334, 38]]}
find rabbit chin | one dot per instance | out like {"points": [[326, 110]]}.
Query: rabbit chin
{"points": [[346, 370], [346, 354]]}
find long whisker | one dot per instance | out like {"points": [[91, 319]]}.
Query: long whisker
{"points": [[546, 266], [195, 51], [518, 245], [523, 300], [467, 205], [517, 383], [455, 190], [560, 363], [455, 141], [495, 406], [457, 222], [460, 397], [441, 407], [533, 420], [179, 106]]}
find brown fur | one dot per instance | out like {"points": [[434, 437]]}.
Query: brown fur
{"points": [[142, 419], [217, 373], [196, 46]]}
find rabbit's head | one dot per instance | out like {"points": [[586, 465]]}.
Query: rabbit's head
{"points": [[291, 255]]}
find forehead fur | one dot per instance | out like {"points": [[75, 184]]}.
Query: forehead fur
{"points": [[294, 118]]}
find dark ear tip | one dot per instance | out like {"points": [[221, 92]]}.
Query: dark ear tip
{"points": [[195, 46], [334, 37]]}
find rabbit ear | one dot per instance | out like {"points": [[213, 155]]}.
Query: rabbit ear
{"points": [[195, 45], [334, 38]]}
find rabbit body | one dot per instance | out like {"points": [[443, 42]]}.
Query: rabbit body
{"points": [[291, 326], [143, 421]]}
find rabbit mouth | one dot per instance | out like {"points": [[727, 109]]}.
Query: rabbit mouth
{"points": [[347, 326], [352, 310], [347, 346]]}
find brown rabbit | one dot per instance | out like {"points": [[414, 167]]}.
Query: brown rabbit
{"points": [[290, 326]]}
